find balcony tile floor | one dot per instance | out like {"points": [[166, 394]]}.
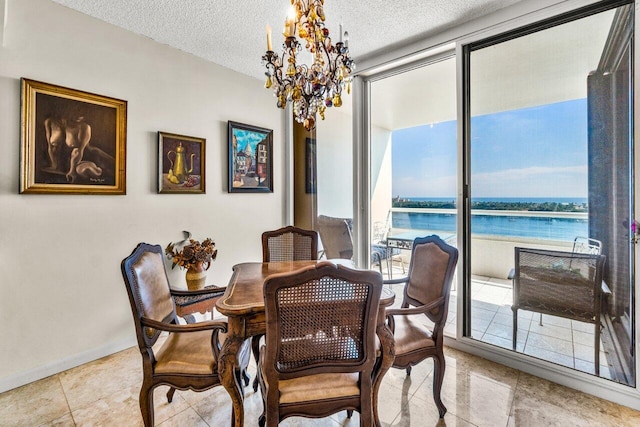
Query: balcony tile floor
{"points": [[566, 342], [558, 340]]}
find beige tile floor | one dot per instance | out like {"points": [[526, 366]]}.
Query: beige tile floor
{"points": [[476, 392], [565, 342]]}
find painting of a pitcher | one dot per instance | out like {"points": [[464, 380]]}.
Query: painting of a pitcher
{"points": [[181, 164]]}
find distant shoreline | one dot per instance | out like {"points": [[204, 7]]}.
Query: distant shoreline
{"points": [[537, 204]]}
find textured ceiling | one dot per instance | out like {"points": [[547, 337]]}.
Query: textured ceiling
{"points": [[231, 33]]}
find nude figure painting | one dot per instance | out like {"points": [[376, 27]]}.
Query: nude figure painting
{"points": [[72, 141]]}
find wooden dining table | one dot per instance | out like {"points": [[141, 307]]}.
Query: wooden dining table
{"points": [[243, 304]]}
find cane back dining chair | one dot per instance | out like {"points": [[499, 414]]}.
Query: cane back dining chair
{"points": [[289, 244], [418, 326], [187, 359], [285, 244], [320, 348]]}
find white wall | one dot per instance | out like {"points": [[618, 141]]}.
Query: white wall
{"points": [[381, 175], [493, 255], [62, 297], [335, 167], [335, 163]]}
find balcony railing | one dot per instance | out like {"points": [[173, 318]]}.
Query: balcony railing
{"points": [[495, 233]]}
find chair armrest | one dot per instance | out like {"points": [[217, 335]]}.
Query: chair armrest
{"points": [[216, 327], [211, 289], [191, 327], [415, 310], [395, 281]]}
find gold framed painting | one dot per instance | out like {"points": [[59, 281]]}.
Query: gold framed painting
{"points": [[73, 142], [181, 164]]}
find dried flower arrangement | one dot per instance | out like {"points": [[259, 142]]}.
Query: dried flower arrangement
{"points": [[192, 254]]}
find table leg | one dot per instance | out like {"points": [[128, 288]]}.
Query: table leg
{"points": [[227, 365], [389, 264], [387, 349]]}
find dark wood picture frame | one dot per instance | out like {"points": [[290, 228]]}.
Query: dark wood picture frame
{"points": [[72, 142], [181, 164], [310, 170], [250, 159]]}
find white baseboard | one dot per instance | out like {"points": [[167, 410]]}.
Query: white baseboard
{"points": [[22, 378]]}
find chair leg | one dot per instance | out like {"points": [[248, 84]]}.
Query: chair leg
{"points": [[401, 264], [540, 319], [366, 417], [255, 349], [515, 328], [146, 404], [596, 346], [349, 413], [408, 371], [378, 260], [272, 418], [262, 420], [170, 393], [246, 377], [438, 378]]}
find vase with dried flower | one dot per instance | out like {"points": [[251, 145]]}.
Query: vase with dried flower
{"points": [[196, 258]]}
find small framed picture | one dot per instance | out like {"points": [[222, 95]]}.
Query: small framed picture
{"points": [[181, 164], [72, 142], [250, 159]]}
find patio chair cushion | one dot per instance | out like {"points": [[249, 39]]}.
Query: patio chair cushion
{"points": [[380, 252]]}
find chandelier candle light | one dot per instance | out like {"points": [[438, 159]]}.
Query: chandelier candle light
{"points": [[311, 88]]}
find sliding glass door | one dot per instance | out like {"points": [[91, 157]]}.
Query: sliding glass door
{"points": [[413, 164], [549, 138]]}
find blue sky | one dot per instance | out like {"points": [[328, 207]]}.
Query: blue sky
{"points": [[245, 137], [532, 152]]}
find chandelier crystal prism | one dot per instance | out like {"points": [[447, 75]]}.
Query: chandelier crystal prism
{"points": [[310, 88]]}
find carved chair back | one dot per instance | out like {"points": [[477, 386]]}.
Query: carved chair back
{"points": [[289, 244]]}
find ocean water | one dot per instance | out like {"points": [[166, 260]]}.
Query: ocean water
{"points": [[533, 227]]}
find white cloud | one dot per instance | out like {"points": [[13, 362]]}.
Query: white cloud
{"points": [[429, 186], [536, 181]]}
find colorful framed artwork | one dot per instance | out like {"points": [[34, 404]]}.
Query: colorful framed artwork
{"points": [[250, 159], [72, 142], [181, 164]]}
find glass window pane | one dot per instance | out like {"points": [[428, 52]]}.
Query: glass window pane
{"points": [[551, 195], [413, 167]]}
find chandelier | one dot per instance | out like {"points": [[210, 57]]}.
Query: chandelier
{"points": [[311, 88]]}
